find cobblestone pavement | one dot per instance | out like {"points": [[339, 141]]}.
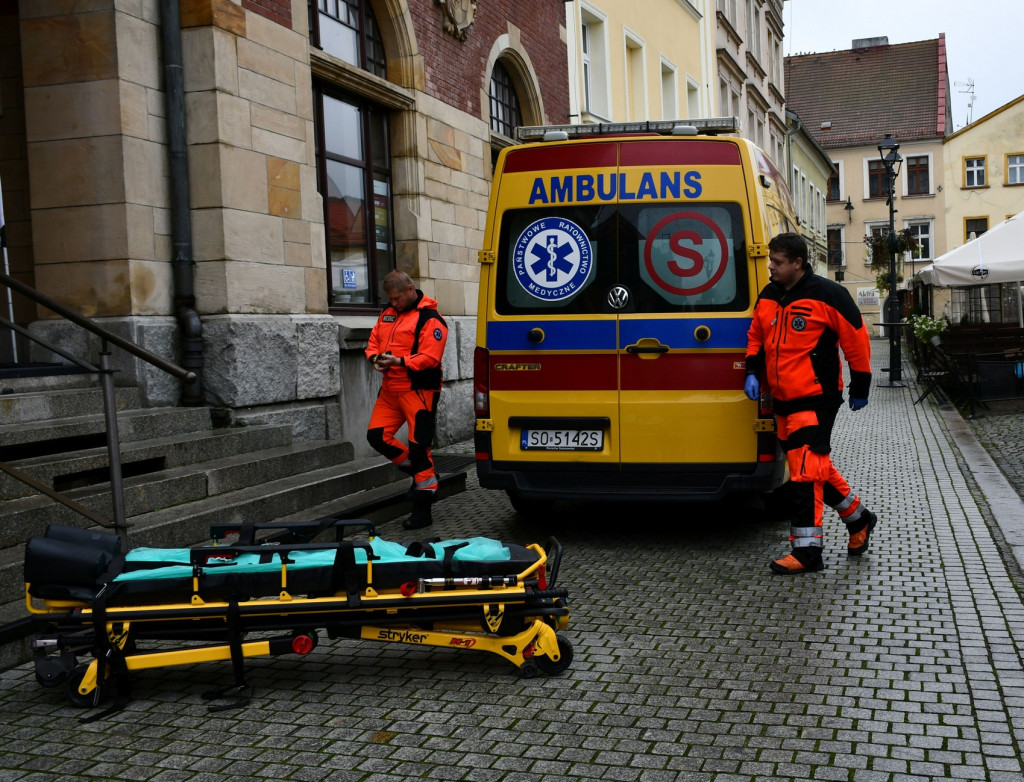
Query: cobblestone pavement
{"points": [[1000, 430], [692, 661]]}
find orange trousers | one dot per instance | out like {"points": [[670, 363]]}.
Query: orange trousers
{"points": [[805, 437], [417, 410]]}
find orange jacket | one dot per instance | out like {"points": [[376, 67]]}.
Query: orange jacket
{"points": [[395, 333], [794, 339]]}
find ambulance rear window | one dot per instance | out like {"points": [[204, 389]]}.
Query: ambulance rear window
{"points": [[669, 257]]}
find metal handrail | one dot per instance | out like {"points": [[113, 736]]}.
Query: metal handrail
{"points": [[80, 320], [105, 372]]}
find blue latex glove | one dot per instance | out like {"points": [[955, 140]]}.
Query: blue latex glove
{"points": [[752, 388], [857, 404]]}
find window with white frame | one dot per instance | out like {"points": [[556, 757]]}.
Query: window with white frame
{"points": [[974, 172], [728, 98], [753, 31], [1015, 169], [594, 56], [586, 65], [922, 233], [728, 7], [917, 175], [669, 91], [832, 188], [835, 248], [775, 66], [692, 99], [636, 81]]}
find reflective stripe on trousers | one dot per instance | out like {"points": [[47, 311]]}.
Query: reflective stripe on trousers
{"points": [[802, 537]]}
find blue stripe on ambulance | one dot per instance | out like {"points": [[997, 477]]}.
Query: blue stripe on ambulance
{"points": [[678, 333], [586, 334]]}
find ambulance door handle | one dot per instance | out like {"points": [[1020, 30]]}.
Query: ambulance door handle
{"points": [[647, 345]]}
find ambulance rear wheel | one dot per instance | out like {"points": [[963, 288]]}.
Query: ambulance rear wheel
{"points": [[76, 698], [551, 667], [530, 509]]}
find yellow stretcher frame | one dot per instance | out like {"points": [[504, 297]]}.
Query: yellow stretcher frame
{"points": [[514, 617]]}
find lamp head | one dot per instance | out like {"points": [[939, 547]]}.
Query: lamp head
{"points": [[888, 148]]}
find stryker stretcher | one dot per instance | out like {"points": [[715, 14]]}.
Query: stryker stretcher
{"points": [[224, 600]]}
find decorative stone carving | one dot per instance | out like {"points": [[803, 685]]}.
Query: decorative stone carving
{"points": [[458, 16]]}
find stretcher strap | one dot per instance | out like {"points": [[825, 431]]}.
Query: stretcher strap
{"points": [[240, 693], [449, 555], [107, 653], [421, 548], [345, 572]]}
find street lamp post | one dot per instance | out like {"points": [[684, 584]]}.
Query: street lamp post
{"points": [[888, 148]]}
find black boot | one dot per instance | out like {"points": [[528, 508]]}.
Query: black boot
{"points": [[420, 516]]}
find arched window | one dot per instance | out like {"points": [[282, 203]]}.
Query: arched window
{"points": [[505, 113]]}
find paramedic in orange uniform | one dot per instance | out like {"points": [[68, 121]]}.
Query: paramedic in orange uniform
{"points": [[800, 321], [406, 346]]}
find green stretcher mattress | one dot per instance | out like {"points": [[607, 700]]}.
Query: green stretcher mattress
{"points": [[72, 564]]}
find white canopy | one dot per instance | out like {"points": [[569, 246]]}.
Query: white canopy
{"points": [[924, 275], [995, 256]]}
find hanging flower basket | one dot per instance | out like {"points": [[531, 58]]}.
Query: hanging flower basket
{"points": [[880, 251]]}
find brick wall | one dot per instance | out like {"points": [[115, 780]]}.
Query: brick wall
{"points": [[279, 11], [455, 70]]}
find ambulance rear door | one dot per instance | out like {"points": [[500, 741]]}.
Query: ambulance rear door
{"points": [[685, 282], [550, 334]]}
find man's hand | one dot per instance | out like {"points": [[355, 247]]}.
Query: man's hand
{"points": [[385, 361], [856, 403], [752, 388]]}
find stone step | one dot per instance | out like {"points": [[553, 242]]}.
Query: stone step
{"points": [[25, 439], [352, 485], [29, 406], [189, 524], [173, 487], [90, 466]]}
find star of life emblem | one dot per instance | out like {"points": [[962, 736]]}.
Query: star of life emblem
{"points": [[553, 259]]}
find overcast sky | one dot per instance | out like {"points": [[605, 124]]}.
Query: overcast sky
{"points": [[983, 40]]}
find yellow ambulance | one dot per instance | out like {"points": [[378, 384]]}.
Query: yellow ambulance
{"points": [[618, 274]]}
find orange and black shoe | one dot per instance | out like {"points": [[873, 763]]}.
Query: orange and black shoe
{"points": [[859, 540], [806, 559]]}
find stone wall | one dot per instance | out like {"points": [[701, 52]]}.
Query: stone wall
{"points": [[96, 139]]}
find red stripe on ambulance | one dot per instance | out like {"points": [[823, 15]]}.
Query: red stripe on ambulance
{"points": [[572, 372], [682, 372]]}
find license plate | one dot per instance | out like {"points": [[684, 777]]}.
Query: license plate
{"points": [[562, 440]]}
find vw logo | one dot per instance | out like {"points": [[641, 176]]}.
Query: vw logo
{"points": [[618, 297]]}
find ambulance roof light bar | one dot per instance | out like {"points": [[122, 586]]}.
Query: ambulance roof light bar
{"points": [[669, 127]]}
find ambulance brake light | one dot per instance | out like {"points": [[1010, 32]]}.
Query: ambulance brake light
{"points": [[671, 127]]}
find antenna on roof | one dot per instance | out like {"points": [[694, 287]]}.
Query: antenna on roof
{"points": [[968, 89]]}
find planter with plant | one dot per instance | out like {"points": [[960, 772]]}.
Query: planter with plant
{"points": [[926, 329]]}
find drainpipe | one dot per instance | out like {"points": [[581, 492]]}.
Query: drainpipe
{"points": [[189, 324]]}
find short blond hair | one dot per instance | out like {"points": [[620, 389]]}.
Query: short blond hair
{"points": [[397, 280]]}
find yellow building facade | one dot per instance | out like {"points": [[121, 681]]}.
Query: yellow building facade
{"points": [[983, 173], [626, 65]]}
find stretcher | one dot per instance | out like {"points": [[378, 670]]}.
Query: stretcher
{"points": [[271, 590]]}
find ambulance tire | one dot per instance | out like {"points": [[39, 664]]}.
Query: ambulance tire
{"points": [[530, 509]]}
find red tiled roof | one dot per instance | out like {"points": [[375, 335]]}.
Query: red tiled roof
{"points": [[865, 93]]}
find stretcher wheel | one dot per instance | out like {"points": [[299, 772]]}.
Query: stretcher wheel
{"points": [[51, 681], [75, 698], [551, 667]]}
